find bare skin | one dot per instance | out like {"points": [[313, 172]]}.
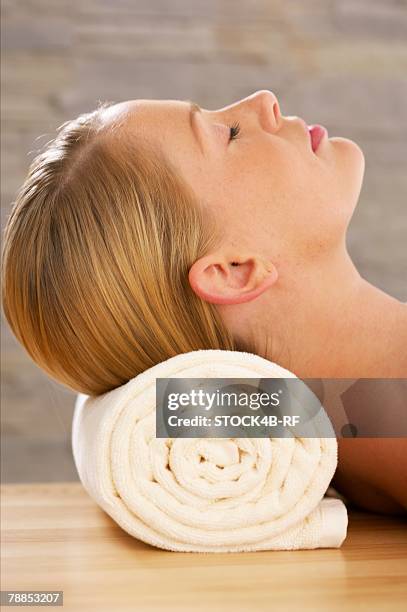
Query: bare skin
{"points": [[282, 275]]}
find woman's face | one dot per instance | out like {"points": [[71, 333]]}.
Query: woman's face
{"points": [[270, 191]]}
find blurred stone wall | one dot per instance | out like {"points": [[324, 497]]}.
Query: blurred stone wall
{"points": [[342, 63]]}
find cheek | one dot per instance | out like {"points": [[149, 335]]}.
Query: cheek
{"points": [[287, 200], [308, 202], [273, 197]]}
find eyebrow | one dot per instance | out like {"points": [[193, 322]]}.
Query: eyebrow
{"points": [[194, 108]]}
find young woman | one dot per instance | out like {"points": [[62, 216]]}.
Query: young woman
{"points": [[151, 228]]}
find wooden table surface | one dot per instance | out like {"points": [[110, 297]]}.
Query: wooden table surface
{"points": [[56, 538]]}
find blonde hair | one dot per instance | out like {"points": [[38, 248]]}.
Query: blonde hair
{"points": [[96, 255]]}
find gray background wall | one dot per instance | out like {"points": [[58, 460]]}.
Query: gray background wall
{"points": [[342, 63]]}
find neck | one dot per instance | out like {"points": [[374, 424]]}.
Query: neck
{"points": [[325, 320]]}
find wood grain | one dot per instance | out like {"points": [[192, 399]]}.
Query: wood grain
{"points": [[55, 537]]}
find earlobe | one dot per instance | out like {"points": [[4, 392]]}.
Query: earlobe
{"points": [[219, 280]]}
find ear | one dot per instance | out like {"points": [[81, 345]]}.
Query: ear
{"points": [[221, 280]]}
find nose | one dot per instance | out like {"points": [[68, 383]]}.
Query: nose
{"points": [[264, 105]]}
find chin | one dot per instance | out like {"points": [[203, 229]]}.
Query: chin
{"points": [[351, 158], [349, 149]]}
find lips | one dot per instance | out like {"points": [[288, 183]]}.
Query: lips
{"points": [[317, 132]]}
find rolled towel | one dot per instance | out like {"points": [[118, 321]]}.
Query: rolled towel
{"points": [[205, 494]]}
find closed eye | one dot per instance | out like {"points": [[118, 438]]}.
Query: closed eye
{"points": [[234, 131]]}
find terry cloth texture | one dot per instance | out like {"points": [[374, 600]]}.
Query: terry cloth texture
{"points": [[205, 494]]}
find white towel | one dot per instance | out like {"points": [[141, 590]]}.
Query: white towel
{"points": [[162, 492]]}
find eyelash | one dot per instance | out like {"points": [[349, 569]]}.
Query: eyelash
{"points": [[234, 131]]}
